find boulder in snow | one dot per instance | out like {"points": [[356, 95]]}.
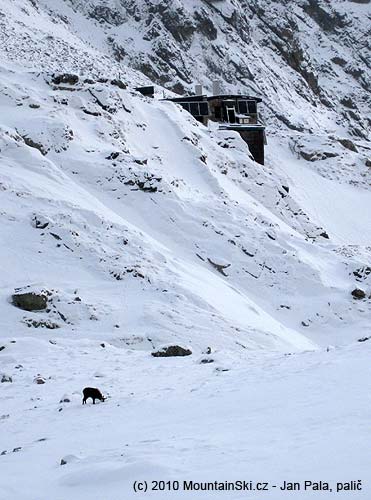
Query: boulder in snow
{"points": [[65, 78], [170, 351], [30, 301], [39, 380], [358, 294]]}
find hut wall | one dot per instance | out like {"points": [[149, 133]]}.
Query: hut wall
{"points": [[255, 141]]}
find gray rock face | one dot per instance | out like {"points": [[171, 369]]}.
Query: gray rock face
{"points": [[30, 301], [173, 350], [312, 55]]}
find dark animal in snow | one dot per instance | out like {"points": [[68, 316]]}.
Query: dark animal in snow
{"points": [[93, 393]]}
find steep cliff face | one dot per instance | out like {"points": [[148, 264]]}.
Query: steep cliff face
{"points": [[309, 60]]}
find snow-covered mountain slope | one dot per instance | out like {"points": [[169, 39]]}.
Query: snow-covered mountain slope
{"points": [[137, 200], [145, 228]]}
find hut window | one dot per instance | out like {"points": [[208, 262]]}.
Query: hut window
{"points": [[204, 109], [242, 107], [252, 107], [194, 109]]}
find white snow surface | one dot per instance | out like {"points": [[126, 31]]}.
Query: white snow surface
{"points": [[119, 207]]}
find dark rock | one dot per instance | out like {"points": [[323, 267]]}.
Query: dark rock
{"points": [[91, 113], [173, 350], [364, 339], [55, 236], [348, 102], [358, 294], [362, 273], [40, 222], [205, 25], [30, 301], [320, 155], [2, 347], [105, 14], [65, 399], [325, 235], [328, 19], [348, 144], [206, 361], [119, 83], [339, 61], [42, 323], [39, 380], [65, 78], [113, 156], [33, 144], [6, 378]]}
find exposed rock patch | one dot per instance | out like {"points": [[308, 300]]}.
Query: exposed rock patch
{"points": [[170, 351], [30, 301], [65, 78], [358, 294]]}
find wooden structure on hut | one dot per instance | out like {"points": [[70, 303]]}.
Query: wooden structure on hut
{"points": [[233, 112]]}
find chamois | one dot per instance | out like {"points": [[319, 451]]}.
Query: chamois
{"points": [[93, 393]]}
